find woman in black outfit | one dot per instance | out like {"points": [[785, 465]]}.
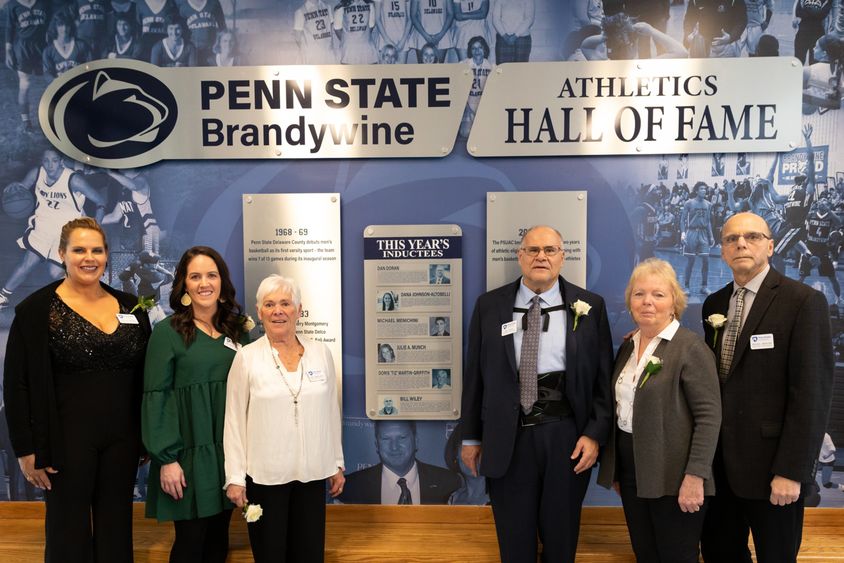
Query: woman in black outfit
{"points": [[73, 374]]}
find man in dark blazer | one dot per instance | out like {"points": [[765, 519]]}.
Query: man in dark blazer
{"points": [[537, 459], [775, 397], [395, 442]]}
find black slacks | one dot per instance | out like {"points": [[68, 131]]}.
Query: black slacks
{"points": [[202, 540], [777, 530], [540, 493], [659, 531], [292, 527]]}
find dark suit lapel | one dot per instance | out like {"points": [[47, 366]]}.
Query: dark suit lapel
{"points": [[767, 292], [505, 312], [570, 294], [720, 305]]}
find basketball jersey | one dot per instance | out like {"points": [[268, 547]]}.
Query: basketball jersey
{"points": [[697, 214], [466, 29], [153, 23], [55, 63], [394, 16], [355, 18], [818, 227], [756, 10], [797, 206], [432, 15], [91, 18], [203, 23], [314, 20], [480, 73], [55, 204], [24, 23]]}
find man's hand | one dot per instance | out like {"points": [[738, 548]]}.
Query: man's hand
{"points": [[784, 491], [471, 456], [587, 450]]}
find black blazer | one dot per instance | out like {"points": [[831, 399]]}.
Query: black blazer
{"points": [[28, 389], [491, 383], [775, 402], [435, 485]]}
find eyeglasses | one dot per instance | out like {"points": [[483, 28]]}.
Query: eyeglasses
{"points": [[549, 251], [750, 238]]}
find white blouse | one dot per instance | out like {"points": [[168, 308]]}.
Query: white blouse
{"points": [[262, 438], [628, 379]]}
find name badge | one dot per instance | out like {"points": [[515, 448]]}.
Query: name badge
{"points": [[229, 343], [127, 319], [509, 328], [315, 375], [761, 341]]}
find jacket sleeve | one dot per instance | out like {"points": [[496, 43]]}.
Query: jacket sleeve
{"points": [[473, 387], [600, 419], [810, 374], [16, 393], [234, 431], [702, 391], [159, 410]]}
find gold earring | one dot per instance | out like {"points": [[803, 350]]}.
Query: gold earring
{"points": [[186, 300]]}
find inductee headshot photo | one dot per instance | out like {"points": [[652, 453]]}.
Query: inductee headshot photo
{"points": [[388, 408], [439, 326], [441, 378], [399, 478], [388, 301], [386, 355], [439, 274]]}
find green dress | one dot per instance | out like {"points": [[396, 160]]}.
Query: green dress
{"points": [[184, 407]]}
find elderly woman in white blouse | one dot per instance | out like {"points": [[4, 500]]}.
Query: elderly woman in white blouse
{"points": [[666, 421], [282, 431]]}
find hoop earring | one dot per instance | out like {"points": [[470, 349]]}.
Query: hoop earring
{"points": [[186, 300], [221, 300]]}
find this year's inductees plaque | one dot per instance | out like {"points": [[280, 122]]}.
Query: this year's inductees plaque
{"points": [[413, 309]]}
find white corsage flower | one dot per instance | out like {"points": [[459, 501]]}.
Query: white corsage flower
{"points": [[252, 512], [716, 321], [248, 323], [581, 309], [653, 367]]}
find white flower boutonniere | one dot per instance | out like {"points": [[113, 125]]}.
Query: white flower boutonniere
{"points": [[716, 321], [248, 323], [653, 367], [252, 512], [581, 309]]}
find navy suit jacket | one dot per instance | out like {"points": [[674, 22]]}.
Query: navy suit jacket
{"points": [[435, 485], [491, 382], [775, 401]]}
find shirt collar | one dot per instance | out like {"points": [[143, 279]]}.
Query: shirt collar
{"points": [[754, 284], [393, 477], [666, 334], [548, 298]]}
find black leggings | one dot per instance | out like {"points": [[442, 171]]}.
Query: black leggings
{"points": [[202, 540]]}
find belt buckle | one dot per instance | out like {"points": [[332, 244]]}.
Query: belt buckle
{"points": [[524, 423]]}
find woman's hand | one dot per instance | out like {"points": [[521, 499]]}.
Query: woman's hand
{"points": [[37, 477], [173, 480], [237, 494], [690, 498], [335, 483]]}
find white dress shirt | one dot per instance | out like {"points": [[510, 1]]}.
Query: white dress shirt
{"points": [[390, 490], [261, 438], [631, 374], [552, 343]]}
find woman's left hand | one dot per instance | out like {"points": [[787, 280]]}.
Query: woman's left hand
{"points": [[690, 498], [335, 483]]}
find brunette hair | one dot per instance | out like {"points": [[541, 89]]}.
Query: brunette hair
{"points": [[228, 318]]}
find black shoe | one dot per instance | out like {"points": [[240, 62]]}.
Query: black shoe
{"points": [[828, 485]]}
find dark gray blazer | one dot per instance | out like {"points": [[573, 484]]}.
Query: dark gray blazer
{"points": [[676, 418]]}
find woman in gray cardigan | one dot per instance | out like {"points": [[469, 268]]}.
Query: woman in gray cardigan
{"points": [[666, 422]]}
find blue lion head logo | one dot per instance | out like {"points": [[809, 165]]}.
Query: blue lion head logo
{"points": [[113, 113]]}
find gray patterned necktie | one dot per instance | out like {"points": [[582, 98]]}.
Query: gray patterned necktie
{"points": [[530, 356], [405, 497], [728, 347]]}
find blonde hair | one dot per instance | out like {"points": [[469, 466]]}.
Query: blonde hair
{"points": [[80, 223], [663, 270]]}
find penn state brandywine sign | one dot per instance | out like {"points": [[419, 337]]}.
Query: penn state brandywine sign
{"points": [[125, 113]]}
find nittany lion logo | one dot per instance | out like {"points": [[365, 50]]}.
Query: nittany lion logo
{"points": [[112, 113]]}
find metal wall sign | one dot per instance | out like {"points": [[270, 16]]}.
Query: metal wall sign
{"points": [[649, 106], [510, 214], [298, 236], [413, 276], [121, 113]]}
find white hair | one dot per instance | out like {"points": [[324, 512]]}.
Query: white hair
{"points": [[275, 283]]}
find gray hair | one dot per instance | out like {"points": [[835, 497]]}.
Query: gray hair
{"points": [[275, 283], [527, 232]]}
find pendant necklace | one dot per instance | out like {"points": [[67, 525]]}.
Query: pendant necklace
{"points": [[289, 388]]}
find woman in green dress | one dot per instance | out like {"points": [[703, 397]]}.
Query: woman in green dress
{"points": [[184, 403]]}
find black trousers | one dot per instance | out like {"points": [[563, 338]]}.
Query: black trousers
{"points": [[202, 540], [540, 493], [292, 527], [659, 531], [89, 509], [777, 530]]}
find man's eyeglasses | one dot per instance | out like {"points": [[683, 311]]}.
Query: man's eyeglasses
{"points": [[750, 238], [549, 251]]}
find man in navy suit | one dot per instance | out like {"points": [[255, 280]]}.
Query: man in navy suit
{"points": [[537, 459], [775, 393], [400, 478]]}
